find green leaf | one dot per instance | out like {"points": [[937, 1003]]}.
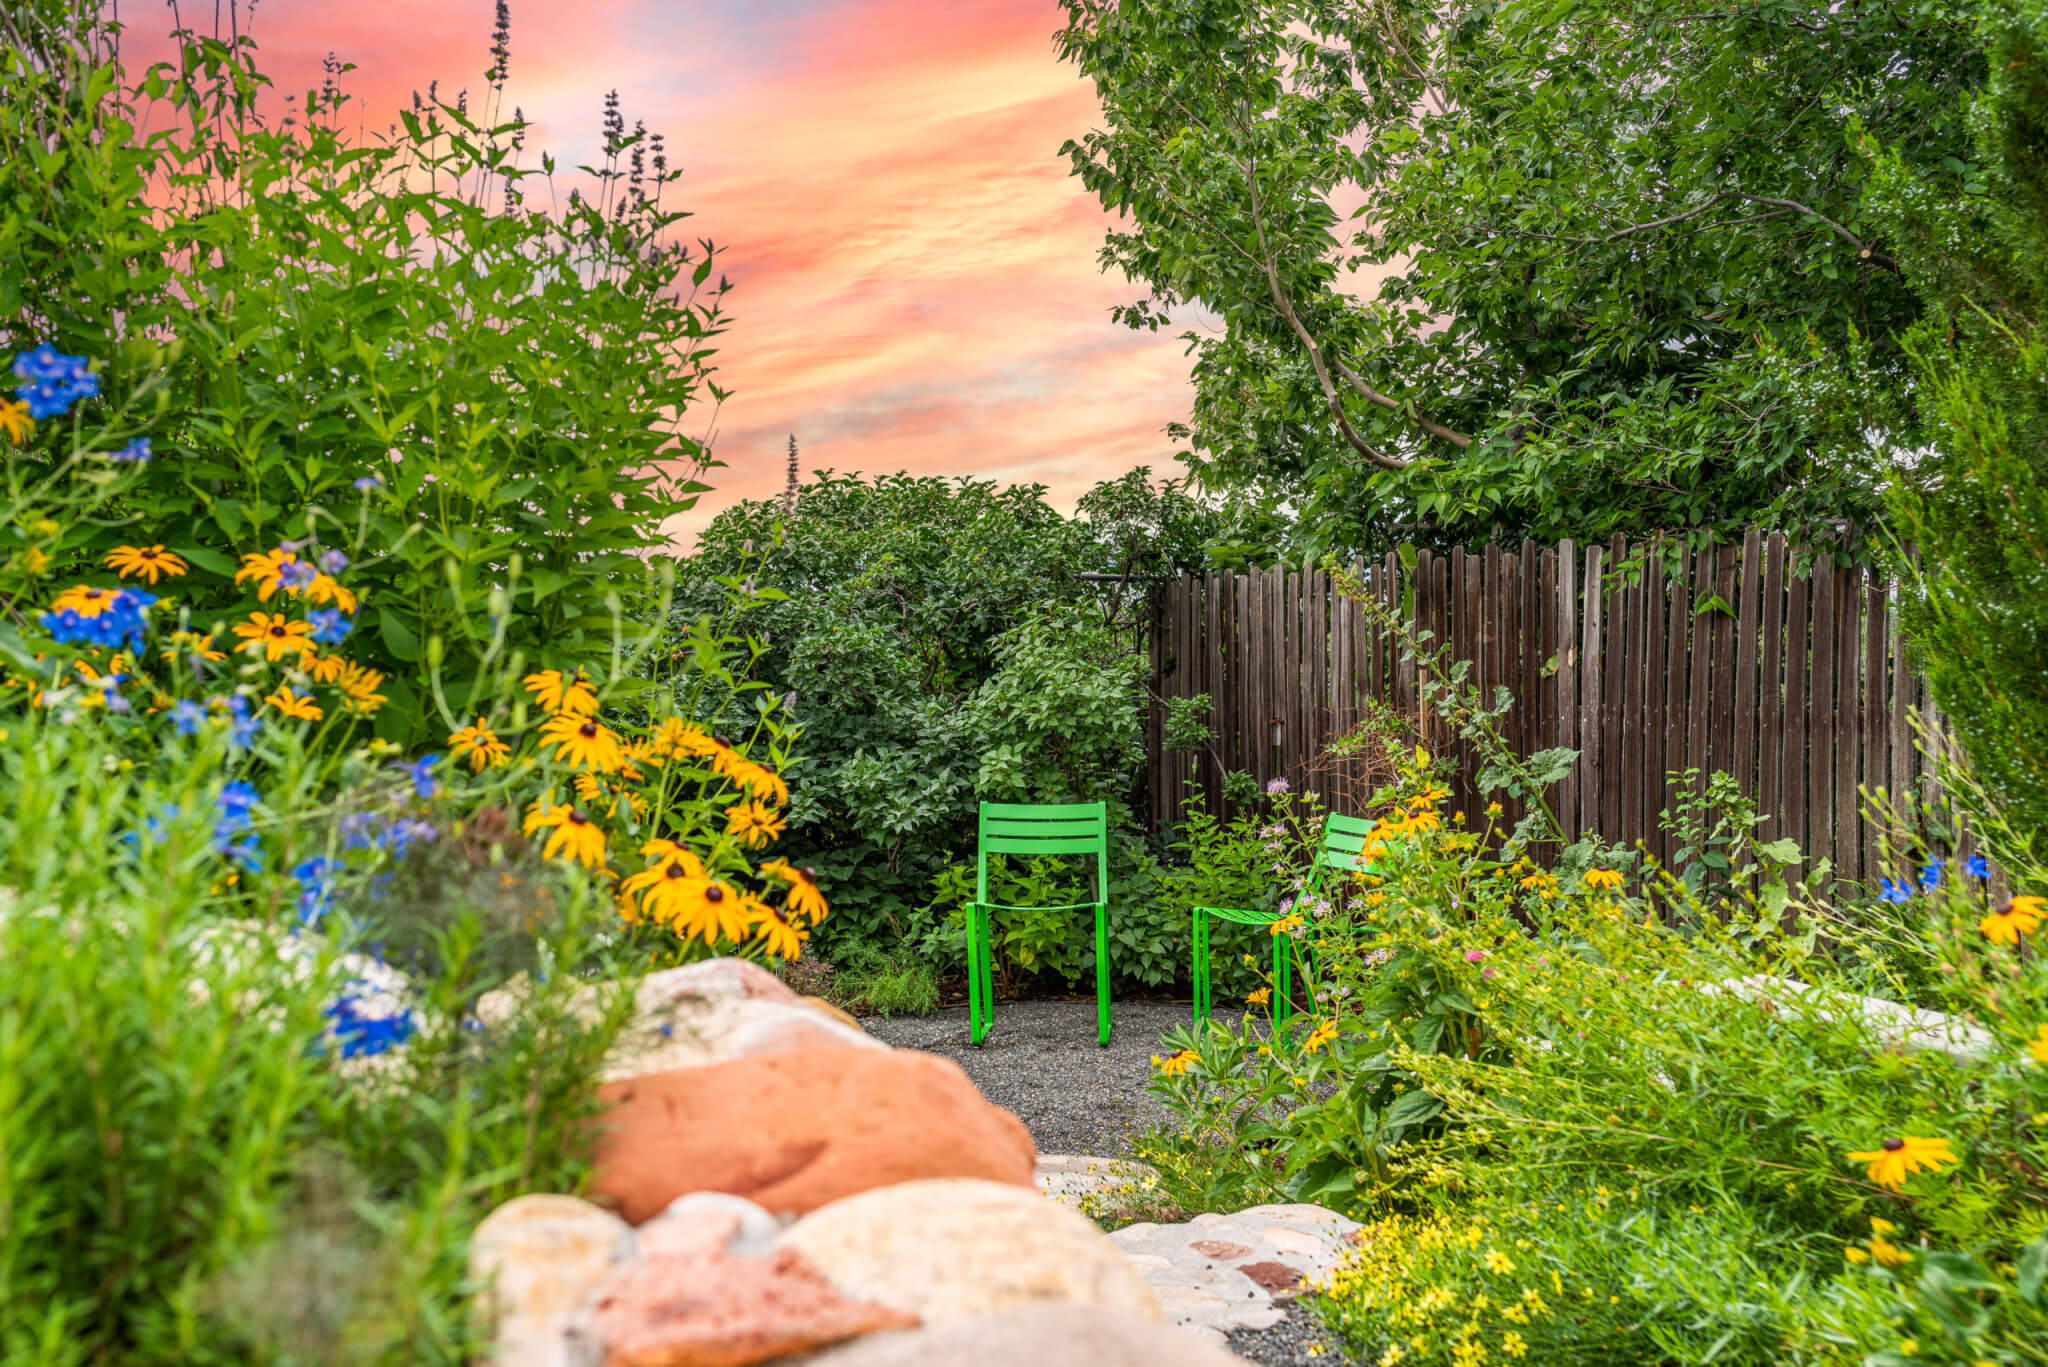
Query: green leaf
{"points": [[212, 561], [398, 636]]}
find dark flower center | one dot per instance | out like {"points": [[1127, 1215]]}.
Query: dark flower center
{"points": [[149, 555], [1893, 1145], [808, 872], [588, 730], [277, 631], [2004, 909], [92, 594], [714, 893], [677, 871], [723, 741], [579, 818]]}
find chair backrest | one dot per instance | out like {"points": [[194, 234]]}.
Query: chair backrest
{"points": [[1043, 828], [1343, 847]]}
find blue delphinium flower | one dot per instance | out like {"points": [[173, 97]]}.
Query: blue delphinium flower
{"points": [[1977, 867], [367, 482], [359, 830], [247, 851], [296, 574], [330, 627], [332, 561], [404, 834], [1894, 892], [52, 381], [1930, 874], [236, 799], [315, 877], [134, 453], [242, 726], [422, 781], [362, 1036], [187, 715]]}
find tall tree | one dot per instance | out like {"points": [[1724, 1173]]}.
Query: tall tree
{"points": [[1599, 249], [1973, 231]]}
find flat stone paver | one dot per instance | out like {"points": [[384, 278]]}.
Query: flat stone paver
{"points": [[1216, 1273]]}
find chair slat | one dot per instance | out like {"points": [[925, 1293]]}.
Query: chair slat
{"points": [[1042, 809], [1048, 829], [1349, 825], [1013, 844]]}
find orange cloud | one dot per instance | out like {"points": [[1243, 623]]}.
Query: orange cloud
{"points": [[915, 273]]}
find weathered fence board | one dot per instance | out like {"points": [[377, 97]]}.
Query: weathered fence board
{"points": [[1648, 660]]}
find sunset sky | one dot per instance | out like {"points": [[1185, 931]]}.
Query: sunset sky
{"points": [[915, 272]]}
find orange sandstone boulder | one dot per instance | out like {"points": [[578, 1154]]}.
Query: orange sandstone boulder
{"points": [[795, 1131]]}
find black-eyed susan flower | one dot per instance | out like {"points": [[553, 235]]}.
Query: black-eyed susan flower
{"points": [[325, 669], [1324, 1032], [1285, 925], [15, 421], [1900, 1156], [1175, 1063], [573, 834], [273, 636], [1603, 880], [479, 745], [763, 782], [85, 600], [325, 588], [583, 741], [267, 569], [1430, 795], [559, 692], [149, 562], [1259, 997], [194, 646], [289, 703], [713, 910], [359, 685], [677, 739], [2016, 917], [667, 889], [755, 823], [804, 896], [777, 933]]}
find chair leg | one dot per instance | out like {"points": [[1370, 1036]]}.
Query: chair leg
{"points": [[1102, 973], [988, 970], [1283, 986], [1198, 964], [977, 1030]]}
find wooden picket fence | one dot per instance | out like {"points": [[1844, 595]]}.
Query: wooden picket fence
{"points": [[1647, 660]]}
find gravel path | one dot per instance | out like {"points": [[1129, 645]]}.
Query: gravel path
{"points": [[1041, 1061], [1287, 1343]]}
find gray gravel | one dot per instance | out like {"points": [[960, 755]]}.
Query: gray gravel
{"points": [[1041, 1061], [1287, 1343]]}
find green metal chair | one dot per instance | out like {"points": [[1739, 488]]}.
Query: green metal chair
{"points": [[1034, 829], [1342, 849]]}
